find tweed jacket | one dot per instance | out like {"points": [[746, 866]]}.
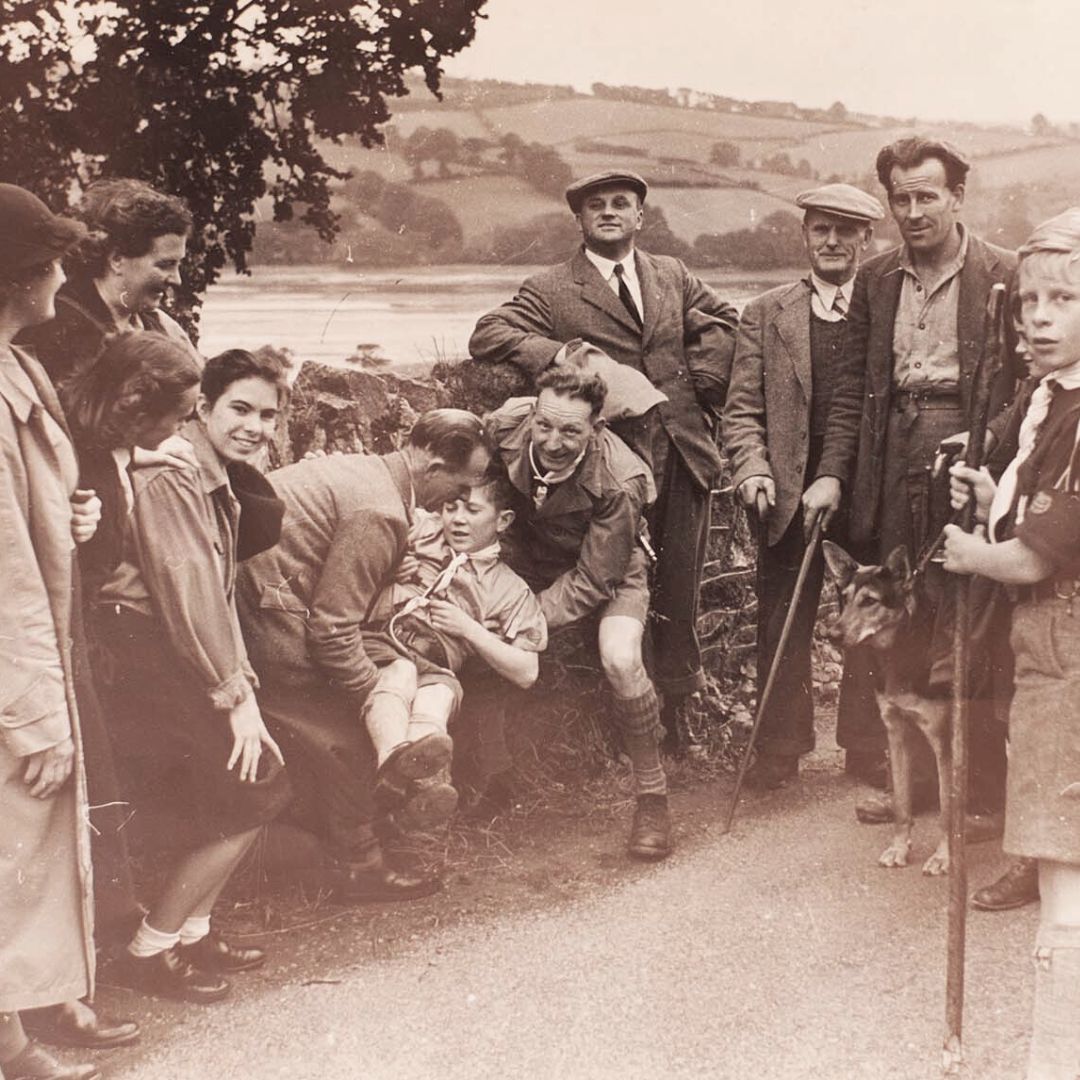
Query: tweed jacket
{"points": [[572, 300], [303, 602], [766, 421], [859, 413], [586, 533]]}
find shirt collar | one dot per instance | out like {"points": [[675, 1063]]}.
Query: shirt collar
{"points": [[212, 472], [826, 291], [607, 266], [947, 271]]}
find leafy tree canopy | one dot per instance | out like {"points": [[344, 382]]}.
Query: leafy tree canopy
{"points": [[219, 101]]}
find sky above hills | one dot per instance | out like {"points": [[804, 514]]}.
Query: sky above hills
{"points": [[981, 60]]}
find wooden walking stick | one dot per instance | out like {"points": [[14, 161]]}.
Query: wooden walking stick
{"points": [[986, 371], [778, 655]]}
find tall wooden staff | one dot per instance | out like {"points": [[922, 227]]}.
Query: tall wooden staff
{"points": [[986, 372]]}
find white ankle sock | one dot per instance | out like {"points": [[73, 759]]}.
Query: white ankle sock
{"points": [[195, 928], [150, 942]]}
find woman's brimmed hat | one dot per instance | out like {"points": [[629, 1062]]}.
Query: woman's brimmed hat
{"points": [[30, 233]]}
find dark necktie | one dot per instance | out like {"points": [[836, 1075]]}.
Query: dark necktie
{"points": [[626, 297]]}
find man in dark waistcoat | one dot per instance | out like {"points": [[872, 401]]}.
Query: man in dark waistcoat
{"points": [[790, 345]]}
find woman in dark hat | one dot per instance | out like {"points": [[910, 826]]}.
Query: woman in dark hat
{"points": [[46, 947]]}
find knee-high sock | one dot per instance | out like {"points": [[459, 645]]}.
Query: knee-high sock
{"points": [[387, 719], [639, 724], [1055, 1035], [432, 709]]}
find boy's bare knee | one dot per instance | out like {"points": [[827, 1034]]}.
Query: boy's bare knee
{"points": [[400, 676]]}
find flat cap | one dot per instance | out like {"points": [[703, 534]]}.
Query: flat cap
{"points": [[577, 191], [32, 232], [842, 200]]}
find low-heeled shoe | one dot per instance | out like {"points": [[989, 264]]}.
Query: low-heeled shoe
{"points": [[77, 1024], [34, 1062], [1019, 885], [168, 974], [214, 953]]}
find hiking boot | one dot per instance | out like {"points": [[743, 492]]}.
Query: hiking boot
{"points": [[650, 834], [1019, 885]]}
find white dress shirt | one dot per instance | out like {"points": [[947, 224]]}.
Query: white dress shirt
{"points": [[630, 276], [823, 297]]}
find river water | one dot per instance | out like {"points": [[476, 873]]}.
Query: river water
{"points": [[409, 318]]}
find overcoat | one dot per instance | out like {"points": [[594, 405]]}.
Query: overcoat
{"points": [[859, 415], [573, 300], [46, 911]]}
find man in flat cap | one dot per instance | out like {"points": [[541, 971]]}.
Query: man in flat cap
{"points": [[790, 346], [651, 313], [915, 334]]}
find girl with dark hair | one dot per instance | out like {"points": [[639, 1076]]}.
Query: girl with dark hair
{"points": [[177, 679]]}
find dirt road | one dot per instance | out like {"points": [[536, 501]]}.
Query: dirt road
{"points": [[781, 951]]}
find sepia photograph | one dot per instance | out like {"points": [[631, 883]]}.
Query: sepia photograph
{"points": [[539, 541]]}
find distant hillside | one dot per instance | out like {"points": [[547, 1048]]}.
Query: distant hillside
{"points": [[497, 156]]}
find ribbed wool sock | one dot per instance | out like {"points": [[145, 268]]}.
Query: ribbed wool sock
{"points": [[195, 928], [150, 942], [639, 722]]}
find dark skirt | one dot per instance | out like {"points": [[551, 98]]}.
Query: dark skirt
{"points": [[163, 724]]}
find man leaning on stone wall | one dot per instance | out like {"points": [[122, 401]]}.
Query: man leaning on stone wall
{"points": [[651, 313]]}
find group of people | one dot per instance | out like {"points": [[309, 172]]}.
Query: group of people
{"points": [[301, 641]]}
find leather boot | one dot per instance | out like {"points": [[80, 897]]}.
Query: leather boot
{"points": [[33, 1062]]}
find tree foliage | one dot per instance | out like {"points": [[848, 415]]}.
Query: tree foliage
{"points": [[219, 101]]}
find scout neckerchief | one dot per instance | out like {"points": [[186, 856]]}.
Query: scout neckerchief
{"points": [[1008, 493], [545, 481], [442, 582]]}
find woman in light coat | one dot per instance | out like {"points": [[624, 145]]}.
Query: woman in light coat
{"points": [[46, 928]]}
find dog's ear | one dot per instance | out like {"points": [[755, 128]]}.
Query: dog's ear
{"points": [[898, 564], [841, 565]]}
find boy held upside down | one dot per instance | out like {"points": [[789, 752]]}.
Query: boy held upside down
{"points": [[454, 598]]}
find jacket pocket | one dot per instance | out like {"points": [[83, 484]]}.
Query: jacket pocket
{"points": [[280, 597]]}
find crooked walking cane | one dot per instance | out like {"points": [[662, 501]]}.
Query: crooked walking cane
{"points": [[987, 369], [778, 655]]}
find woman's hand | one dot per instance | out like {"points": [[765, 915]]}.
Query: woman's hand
{"points": [[963, 480], [249, 738], [175, 451], [963, 550], [47, 771], [85, 514], [449, 619]]}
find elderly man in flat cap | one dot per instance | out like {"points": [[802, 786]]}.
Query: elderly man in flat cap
{"points": [[651, 313], [790, 345], [914, 339]]}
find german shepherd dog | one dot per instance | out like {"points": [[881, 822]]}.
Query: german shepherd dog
{"points": [[878, 605]]}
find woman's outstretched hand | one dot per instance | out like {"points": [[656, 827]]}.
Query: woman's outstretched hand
{"points": [[249, 738]]}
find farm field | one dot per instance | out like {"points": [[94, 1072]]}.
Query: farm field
{"points": [[1017, 176]]}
